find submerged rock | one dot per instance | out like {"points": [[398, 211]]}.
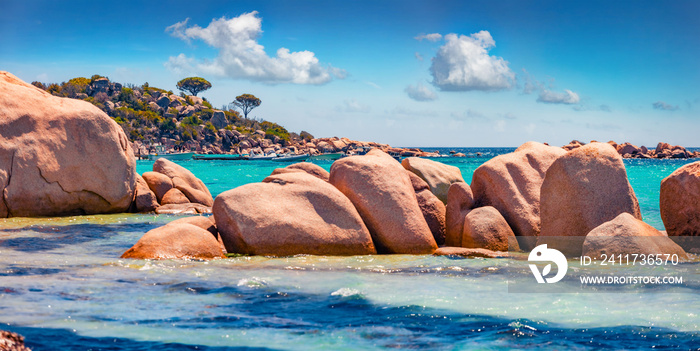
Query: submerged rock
{"points": [[467, 252], [183, 209], [382, 193], [290, 214], [439, 176], [176, 240], [60, 156], [511, 183], [582, 190], [628, 235]]}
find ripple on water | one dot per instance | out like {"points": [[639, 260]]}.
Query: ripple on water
{"points": [[79, 295]]}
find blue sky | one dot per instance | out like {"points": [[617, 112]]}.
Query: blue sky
{"points": [[408, 73]]}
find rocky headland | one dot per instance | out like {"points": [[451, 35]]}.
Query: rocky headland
{"points": [[627, 150]]}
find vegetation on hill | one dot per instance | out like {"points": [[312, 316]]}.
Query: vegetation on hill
{"points": [[151, 115]]}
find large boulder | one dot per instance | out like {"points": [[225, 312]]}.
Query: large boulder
{"points": [[60, 156], [145, 200], [628, 235], [485, 228], [176, 240], [511, 183], [432, 208], [310, 168], [460, 201], [290, 214], [185, 181], [680, 201], [382, 193], [159, 183], [582, 190], [439, 176]]}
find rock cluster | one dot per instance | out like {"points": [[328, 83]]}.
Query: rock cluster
{"points": [[627, 150], [171, 188], [583, 204]]}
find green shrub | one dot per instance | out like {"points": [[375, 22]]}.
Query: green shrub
{"points": [[192, 121], [81, 83]]}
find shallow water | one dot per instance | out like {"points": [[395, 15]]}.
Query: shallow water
{"points": [[63, 286]]}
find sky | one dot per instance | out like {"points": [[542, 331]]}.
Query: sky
{"points": [[407, 73]]}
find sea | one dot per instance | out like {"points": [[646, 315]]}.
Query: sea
{"points": [[64, 287]]}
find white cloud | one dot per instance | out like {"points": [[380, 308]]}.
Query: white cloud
{"points": [[429, 37], [373, 84], [353, 106], [469, 114], [530, 84], [419, 92], [419, 57], [242, 57], [464, 63], [568, 97], [402, 111], [660, 105]]}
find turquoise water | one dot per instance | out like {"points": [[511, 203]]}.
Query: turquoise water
{"points": [[63, 286]]}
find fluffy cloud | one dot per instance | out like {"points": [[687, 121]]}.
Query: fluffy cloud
{"points": [[240, 56], [463, 63], [419, 92], [429, 37], [568, 97], [660, 105]]}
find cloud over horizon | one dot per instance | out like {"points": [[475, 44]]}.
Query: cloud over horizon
{"points": [[419, 92], [660, 105], [240, 55], [567, 97], [463, 63], [429, 37]]}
